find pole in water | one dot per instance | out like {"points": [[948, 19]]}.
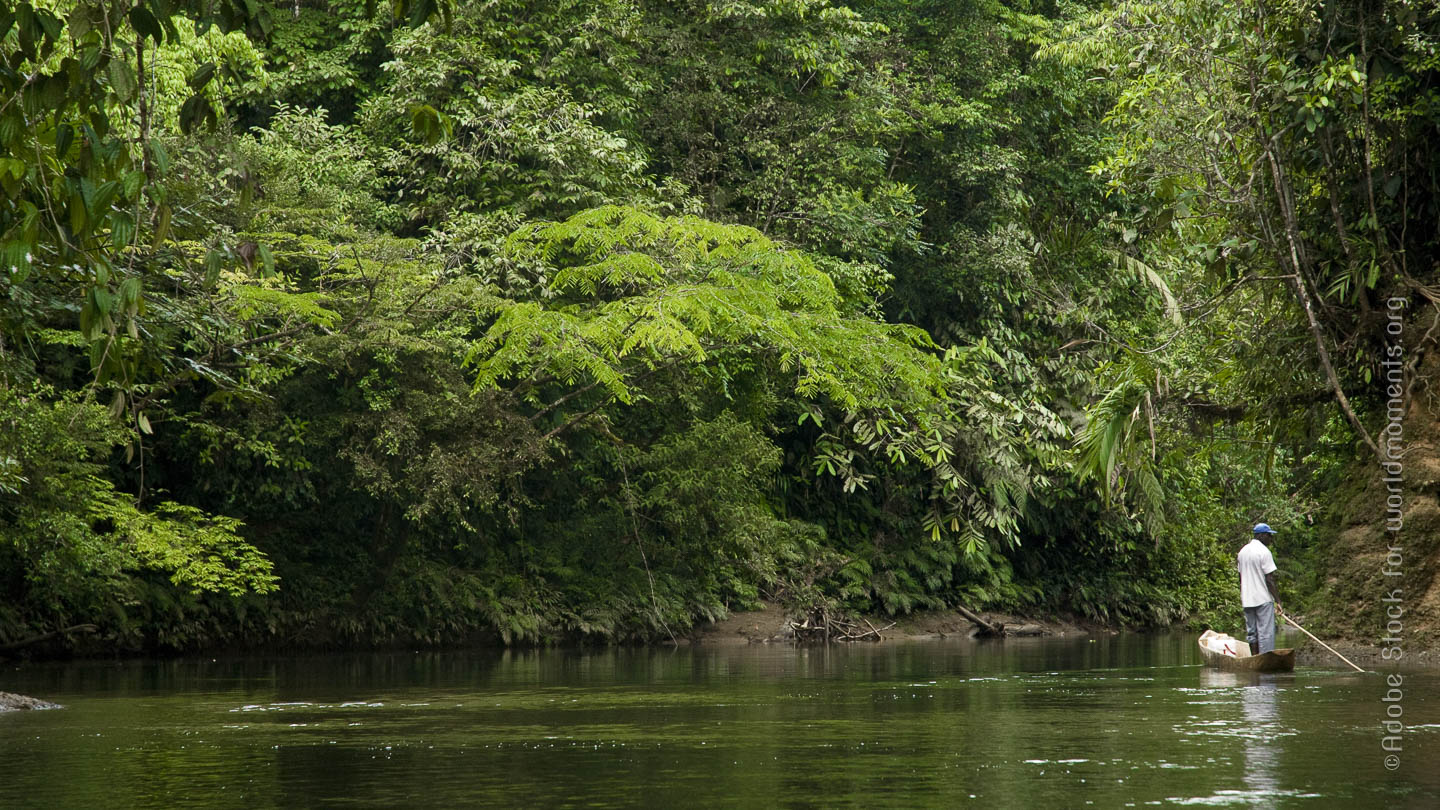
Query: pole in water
{"points": [[1318, 641]]}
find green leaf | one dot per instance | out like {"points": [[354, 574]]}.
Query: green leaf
{"points": [[193, 112], [420, 11], [15, 257], [12, 123], [134, 181], [214, 262], [122, 79], [91, 55], [79, 217], [98, 364], [99, 204], [53, 91], [164, 11], [130, 290], [145, 24], [29, 30], [87, 321], [201, 76], [52, 25], [162, 226], [122, 229], [64, 136], [429, 124], [104, 300], [12, 167], [80, 23], [161, 157]]}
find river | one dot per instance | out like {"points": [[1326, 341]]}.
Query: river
{"points": [[1061, 722]]}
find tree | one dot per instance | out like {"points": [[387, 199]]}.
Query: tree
{"points": [[1270, 139]]}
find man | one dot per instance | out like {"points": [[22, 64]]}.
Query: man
{"points": [[1258, 594]]}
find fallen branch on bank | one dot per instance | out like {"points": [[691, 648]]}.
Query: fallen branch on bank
{"points": [[26, 642], [990, 628], [872, 632], [820, 624]]}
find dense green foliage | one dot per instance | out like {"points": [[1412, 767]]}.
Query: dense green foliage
{"points": [[330, 324]]}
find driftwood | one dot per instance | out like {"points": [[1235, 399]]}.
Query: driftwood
{"points": [[822, 625], [1026, 630], [989, 628], [26, 642], [871, 632]]}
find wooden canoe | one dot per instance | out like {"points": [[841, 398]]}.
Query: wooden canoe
{"points": [[1223, 652]]}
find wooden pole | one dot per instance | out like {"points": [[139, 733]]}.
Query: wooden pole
{"points": [[1291, 620]]}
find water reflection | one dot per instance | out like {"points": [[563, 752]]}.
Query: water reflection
{"points": [[1261, 767], [1259, 712]]}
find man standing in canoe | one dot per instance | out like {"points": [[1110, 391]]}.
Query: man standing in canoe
{"points": [[1258, 594]]}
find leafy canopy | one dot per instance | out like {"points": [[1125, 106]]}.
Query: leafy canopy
{"points": [[628, 292]]}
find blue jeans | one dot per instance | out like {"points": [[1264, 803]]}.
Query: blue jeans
{"points": [[1260, 628]]}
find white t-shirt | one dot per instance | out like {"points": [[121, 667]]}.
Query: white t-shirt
{"points": [[1254, 562]]}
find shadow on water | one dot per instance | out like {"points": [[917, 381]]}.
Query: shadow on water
{"points": [[1024, 723]]}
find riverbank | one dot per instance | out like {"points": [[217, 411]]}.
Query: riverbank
{"points": [[1366, 656], [773, 624]]}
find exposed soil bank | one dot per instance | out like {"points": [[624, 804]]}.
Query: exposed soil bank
{"points": [[1381, 573], [1366, 656]]}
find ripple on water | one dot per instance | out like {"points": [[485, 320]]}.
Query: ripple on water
{"points": [[1226, 798]]}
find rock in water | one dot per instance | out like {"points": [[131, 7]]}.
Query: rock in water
{"points": [[10, 702]]}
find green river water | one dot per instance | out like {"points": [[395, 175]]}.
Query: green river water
{"points": [[1021, 723]]}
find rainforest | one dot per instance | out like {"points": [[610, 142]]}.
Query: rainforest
{"points": [[332, 324]]}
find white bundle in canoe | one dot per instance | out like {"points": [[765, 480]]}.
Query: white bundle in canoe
{"points": [[1222, 644]]}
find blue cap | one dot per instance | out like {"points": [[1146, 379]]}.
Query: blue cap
{"points": [[1263, 528]]}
